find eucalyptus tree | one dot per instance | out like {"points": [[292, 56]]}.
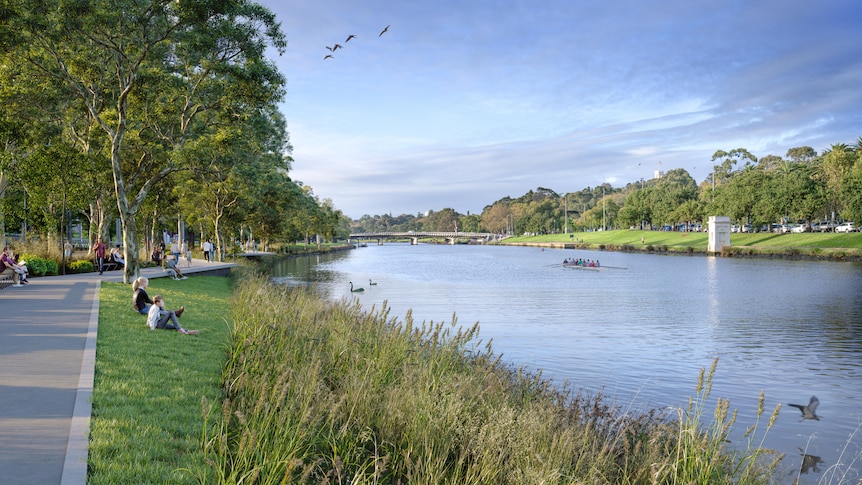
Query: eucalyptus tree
{"points": [[722, 172], [833, 168], [738, 199], [227, 167], [803, 154], [496, 217], [792, 192], [671, 190], [51, 175], [637, 211], [444, 220], [770, 162], [851, 194], [470, 223], [156, 71]]}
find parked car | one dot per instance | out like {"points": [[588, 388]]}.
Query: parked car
{"points": [[747, 228], [823, 226], [779, 228], [846, 227], [734, 228], [801, 228]]}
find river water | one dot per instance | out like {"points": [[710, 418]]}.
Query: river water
{"points": [[641, 329]]}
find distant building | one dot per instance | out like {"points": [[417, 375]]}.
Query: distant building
{"points": [[658, 174]]}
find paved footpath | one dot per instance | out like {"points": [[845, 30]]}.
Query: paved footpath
{"points": [[47, 354]]}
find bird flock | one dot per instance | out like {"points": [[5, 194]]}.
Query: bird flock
{"points": [[337, 46]]}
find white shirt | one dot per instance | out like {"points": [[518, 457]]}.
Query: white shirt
{"points": [[153, 316]]}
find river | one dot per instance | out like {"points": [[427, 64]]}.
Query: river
{"points": [[640, 329]]}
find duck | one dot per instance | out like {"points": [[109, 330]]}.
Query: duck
{"points": [[357, 290], [371, 283]]}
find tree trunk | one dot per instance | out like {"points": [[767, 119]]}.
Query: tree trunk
{"points": [[218, 239], [130, 244]]}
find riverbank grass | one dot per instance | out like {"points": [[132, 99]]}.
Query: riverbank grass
{"points": [[147, 420], [320, 392], [827, 245]]}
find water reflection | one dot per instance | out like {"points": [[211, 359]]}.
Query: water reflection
{"points": [[788, 328]]}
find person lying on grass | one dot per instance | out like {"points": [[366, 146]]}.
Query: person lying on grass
{"points": [[158, 317]]}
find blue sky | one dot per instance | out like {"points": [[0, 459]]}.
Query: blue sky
{"points": [[461, 103]]}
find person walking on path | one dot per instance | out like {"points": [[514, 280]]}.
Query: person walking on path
{"points": [[99, 248], [207, 247], [175, 250]]}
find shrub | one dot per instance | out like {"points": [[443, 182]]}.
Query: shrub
{"points": [[81, 266], [36, 265]]}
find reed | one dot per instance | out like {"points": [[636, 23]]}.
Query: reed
{"points": [[322, 392]]}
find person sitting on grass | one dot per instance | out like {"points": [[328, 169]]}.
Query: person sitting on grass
{"points": [[171, 267], [140, 299], [163, 319]]}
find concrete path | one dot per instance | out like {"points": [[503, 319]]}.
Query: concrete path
{"points": [[47, 353]]}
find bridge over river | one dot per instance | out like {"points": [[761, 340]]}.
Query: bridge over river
{"points": [[414, 236]]}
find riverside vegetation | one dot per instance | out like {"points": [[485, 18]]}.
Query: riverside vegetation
{"points": [[283, 386]]}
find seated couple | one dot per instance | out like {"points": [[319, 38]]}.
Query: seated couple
{"points": [[157, 315], [116, 255]]}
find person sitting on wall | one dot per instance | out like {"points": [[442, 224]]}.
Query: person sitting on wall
{"points": [[172, 269]]}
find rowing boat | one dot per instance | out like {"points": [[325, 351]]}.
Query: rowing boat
{"points": [[580, 266]]}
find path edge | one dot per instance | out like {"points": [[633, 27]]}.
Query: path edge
{"points": [[77, 449]]}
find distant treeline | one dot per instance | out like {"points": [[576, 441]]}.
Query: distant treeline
{"points": [[801, 186]]}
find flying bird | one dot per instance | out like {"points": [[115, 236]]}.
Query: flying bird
{"points": [[336, 47], [327, 56], [808, 411], [383, 31], [351, 36], [330, 48]]}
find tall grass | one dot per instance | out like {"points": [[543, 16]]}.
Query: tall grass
{"points": [[320, 392]]}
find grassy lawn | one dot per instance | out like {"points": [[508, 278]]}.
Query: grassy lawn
{"points": [[147, 419], [813, 243]]}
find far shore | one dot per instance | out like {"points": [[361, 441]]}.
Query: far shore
{"points": [[810, 246]]}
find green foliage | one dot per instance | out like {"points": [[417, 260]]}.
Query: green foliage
{"points": [[323, 392], [39, 266], [81, 266]]}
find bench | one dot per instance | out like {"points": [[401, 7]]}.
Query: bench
{"points": [[109, 265], [6, 281]]}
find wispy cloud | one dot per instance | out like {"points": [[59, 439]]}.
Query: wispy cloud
{"points": [[462, 103]]}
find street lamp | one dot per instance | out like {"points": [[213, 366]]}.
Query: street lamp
{"points": [[566, 215], [603, 207], [510, 228]]}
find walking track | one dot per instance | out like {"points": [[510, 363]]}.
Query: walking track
{"points": [[47, 354]]}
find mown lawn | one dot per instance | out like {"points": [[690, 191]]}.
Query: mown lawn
{"points": [[698, 240], [147, 419]]}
